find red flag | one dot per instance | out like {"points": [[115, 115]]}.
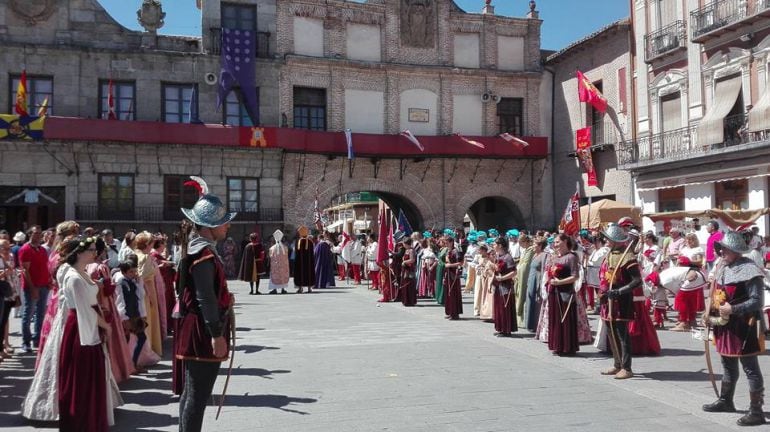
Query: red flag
{"points": [[517, 142], [410, 136], [110, 103], [570, 221], [21, 95], [583, 149], [471, 142], [382, 245], [587, 92], [345, 240]]}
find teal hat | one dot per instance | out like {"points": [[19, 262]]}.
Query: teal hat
{"points": [[450, 233], [472, 238], [550, 240], [490, 241], [512, 233], [427, 234], [493, 232]]}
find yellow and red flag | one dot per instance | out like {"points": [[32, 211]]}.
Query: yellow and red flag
{"points": [[21, 95], [570, 221], [583, 150], [587, 92]]}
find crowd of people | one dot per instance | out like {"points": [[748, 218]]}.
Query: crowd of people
{"points": [[97, 309]]}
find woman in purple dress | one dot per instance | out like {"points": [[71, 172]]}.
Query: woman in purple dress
{"points": [[505, 298], [408, 281], [562, 273], [453, 306]]}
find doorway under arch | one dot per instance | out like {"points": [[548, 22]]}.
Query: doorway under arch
{"points": [[495, 212], [394, 201]]}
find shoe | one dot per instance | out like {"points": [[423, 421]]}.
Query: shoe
{"points": [[251, 292], [611, 371], [273, 292], [725, 401], [309, 290], [257, 292], [26, 349], [283, 291], [624, 374], [299, 291], [755, 416], [382, 300], [681, 327]]}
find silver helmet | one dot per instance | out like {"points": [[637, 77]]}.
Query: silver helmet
{"points": [[615, 233], [734, 241]]}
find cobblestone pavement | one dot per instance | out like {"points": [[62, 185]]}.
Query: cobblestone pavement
{"points": [[336, 360]]}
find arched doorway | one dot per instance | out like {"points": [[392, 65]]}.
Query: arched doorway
{"points": [[358, 211], [495, 212]]}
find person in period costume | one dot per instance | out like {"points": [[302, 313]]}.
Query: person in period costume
{"points": [[408, 280], [87, 391], [205, 327], [620, 275], [167, 268], [229, 254], [562, 274], [253, 263], [533, 282], [371, 263], [505, 297], [357, 252], [485, 275], [734, 314], [304, 263], [522, 273], [130, 306], [441, 258], [341, 253], [279, 265], [147, 269], [469, 262], [120, 357], [427, 283], [453, 306], [324, 270]]}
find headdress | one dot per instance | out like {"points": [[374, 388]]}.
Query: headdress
{"points": [[208, 211]]}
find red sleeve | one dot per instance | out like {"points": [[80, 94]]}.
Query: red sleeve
{"points": [[24, 254]]}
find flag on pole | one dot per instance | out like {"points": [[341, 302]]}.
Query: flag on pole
{"points": [[391, 240], [110, 103], [382, 245], [345, 240], [349, 140], [238, 69], [43, 108], [471, 142], [317, 218], [570, 221], [130, 113], [587, 92], [517, 142], [583, 150], [408, 135], [403, 223], [21, 95]]}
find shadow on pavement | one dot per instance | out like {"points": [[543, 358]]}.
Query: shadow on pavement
{"points": [[250, 349], [686, 376], [677, 352], [135, 420], [262, 373], [281, 402]]}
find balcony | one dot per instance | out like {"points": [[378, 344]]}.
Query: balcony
{"points": [[718, 17], [263, 43], [665, 41], [92, 213], [682, 144]]}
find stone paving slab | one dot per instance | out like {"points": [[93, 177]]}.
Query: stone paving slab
{"points": [[336, 360]]}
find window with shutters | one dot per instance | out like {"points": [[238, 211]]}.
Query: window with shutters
{"points": [[309, 108], [732, 194], [671, 112], [243, 195], [116, 196], [510, 113]]}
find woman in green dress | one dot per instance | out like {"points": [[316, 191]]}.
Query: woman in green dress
{"points": [[440, 272]]}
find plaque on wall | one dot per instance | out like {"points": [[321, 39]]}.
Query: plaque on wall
{"points": [[419, 115], [418, 23]]}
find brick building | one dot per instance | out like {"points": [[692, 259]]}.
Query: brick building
{"points": [[377, 68], [702, 104]]}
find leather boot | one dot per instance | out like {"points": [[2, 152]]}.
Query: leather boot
{"points": [[725, 401], [755, 416]]}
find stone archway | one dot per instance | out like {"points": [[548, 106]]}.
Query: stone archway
{"points": [[512, 208]]}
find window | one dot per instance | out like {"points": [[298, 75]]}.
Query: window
{"points": [[671, 112], [597, 121], [309, 108], [732, 194], [38, 89], [124, 96], [671, 199], [235, 112], [176, 195], [510, 112], [243, 194], [176, 102], [116, 196], [238, 16]]}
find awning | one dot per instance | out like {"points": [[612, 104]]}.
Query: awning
{"points": [[690, 181], [335, 224], [711, 129], [759, 116], [732, 218]]}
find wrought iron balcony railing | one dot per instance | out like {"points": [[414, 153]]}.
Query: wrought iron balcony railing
{"points": [[263, 43], [683, 143], [665, 40], [160, 214], [722, 14]]}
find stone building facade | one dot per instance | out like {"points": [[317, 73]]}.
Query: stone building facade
{"points": [[604, 57], [381, 66]]}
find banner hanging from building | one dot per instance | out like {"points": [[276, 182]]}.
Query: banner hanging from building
{"points": [[583, 151], [21, 127]]}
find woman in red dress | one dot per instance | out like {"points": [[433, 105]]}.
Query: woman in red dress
{"points": [[504, 313], [84, 397], [453, 305], [562, 272], [168, 272], [408, 282]]}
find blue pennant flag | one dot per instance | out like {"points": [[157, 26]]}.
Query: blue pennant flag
{"points": [[403, 223], [194, 115], [238, 69]]}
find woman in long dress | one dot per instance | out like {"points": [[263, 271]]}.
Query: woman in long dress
{"points": [[562, 273], [279, 265], [408, 282], [690, 300], [427, 284], [453, 305], [229, 252], [485, 274], [120, 357], [87, 391], [167, 269], [505, 297], [147, 269], [534, 277], [439, 295], [522, 274]]}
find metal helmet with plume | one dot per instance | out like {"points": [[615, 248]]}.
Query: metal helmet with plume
{"points": [[199, 184]]}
